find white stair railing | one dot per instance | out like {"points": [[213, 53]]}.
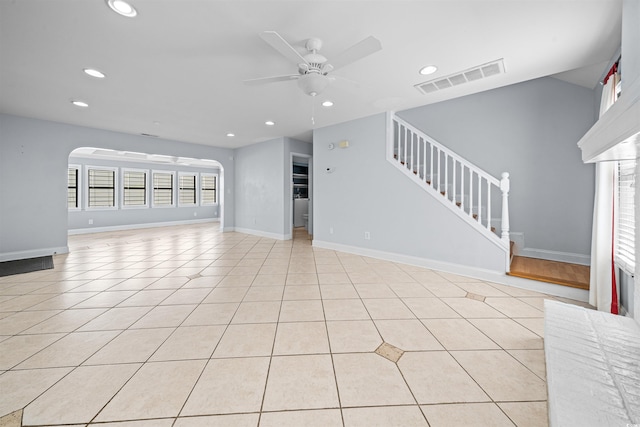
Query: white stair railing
{"points": [[470, 191]]}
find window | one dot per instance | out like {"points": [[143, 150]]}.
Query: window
{"points": [[187, 189], [134, 188], [625, 232], [208, 194], [73, 185], [102, 187], [163, 188]]}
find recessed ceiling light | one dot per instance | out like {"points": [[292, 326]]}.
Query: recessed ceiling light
{"points": [[231, 134], [122, 7], [94, 73], [327, 104], [269, 123], [429, 69], [80, 103]]}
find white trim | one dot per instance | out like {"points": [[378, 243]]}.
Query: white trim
{"points": [[173, 188], [569, 257], [146, 188], [261, 233], [136, 226], [34, 253], [463, 270], [116, 183]]}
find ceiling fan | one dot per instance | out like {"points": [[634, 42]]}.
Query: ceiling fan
{"points": [[313, 68]]}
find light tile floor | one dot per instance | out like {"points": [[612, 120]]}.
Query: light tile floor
{"points": [[187, 326]]}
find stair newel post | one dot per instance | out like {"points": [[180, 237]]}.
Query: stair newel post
{"points": [[504, 187]]}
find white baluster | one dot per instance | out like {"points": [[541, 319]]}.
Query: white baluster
{"points": [[462, 187], [404, 146], [439, 188], [470, 192], [412, 136], [488, 206], [431, 165], [424, 159], [396, 140], [479, 199], [504, 187], [446, 175], [453, 184]]}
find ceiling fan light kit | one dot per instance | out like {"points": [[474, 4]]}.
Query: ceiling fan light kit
{"points": [[313, 84]]}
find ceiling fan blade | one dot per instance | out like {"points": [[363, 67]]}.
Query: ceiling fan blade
{"points": [[281, 45], [356, 52], [263, 80]]}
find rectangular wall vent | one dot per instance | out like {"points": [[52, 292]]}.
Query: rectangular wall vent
{"points": [[456, 79]]}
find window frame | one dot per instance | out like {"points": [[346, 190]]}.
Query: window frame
{"points": [[112, 169], [123, 189], [196, 183], [625, 230], [153, 188], [215, 189], [78, 187]]}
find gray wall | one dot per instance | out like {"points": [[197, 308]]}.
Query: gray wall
{"points": [[33, 178], [260, 200], [263, 186], [79, 219], [630, 36], [529, 130], [365, 192]]}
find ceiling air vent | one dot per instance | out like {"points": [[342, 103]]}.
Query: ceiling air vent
{"points": [[456, 79]]}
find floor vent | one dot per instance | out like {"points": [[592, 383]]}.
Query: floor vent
{"points": [[456, 79]]}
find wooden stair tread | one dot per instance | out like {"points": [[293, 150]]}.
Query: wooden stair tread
{"points": [[559, 273]]}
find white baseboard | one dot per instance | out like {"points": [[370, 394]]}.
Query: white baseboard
{"points": [[520, 249], [260, 233], [136, 226], [34, 253], [462, 270], [555, 256]]}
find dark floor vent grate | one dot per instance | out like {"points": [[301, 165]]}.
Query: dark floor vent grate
{"points": [[9, 268]]}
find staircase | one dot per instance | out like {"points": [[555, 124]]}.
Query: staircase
{"points": [[468, 191]]}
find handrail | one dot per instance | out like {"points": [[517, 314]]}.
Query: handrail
{"points": [[467, 189]]}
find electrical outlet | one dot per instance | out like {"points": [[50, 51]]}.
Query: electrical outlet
{"points": [[367, 235], [195, 214], [90, 222], [330, 230]]}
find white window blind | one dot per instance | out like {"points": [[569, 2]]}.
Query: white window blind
{"points": [[208, 189], [187, 189], [625, 232], [134, 188], [72, 188], [102, 190], [162, 189]]}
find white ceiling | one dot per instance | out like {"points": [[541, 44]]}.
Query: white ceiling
{"points": [[177, 69]]}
